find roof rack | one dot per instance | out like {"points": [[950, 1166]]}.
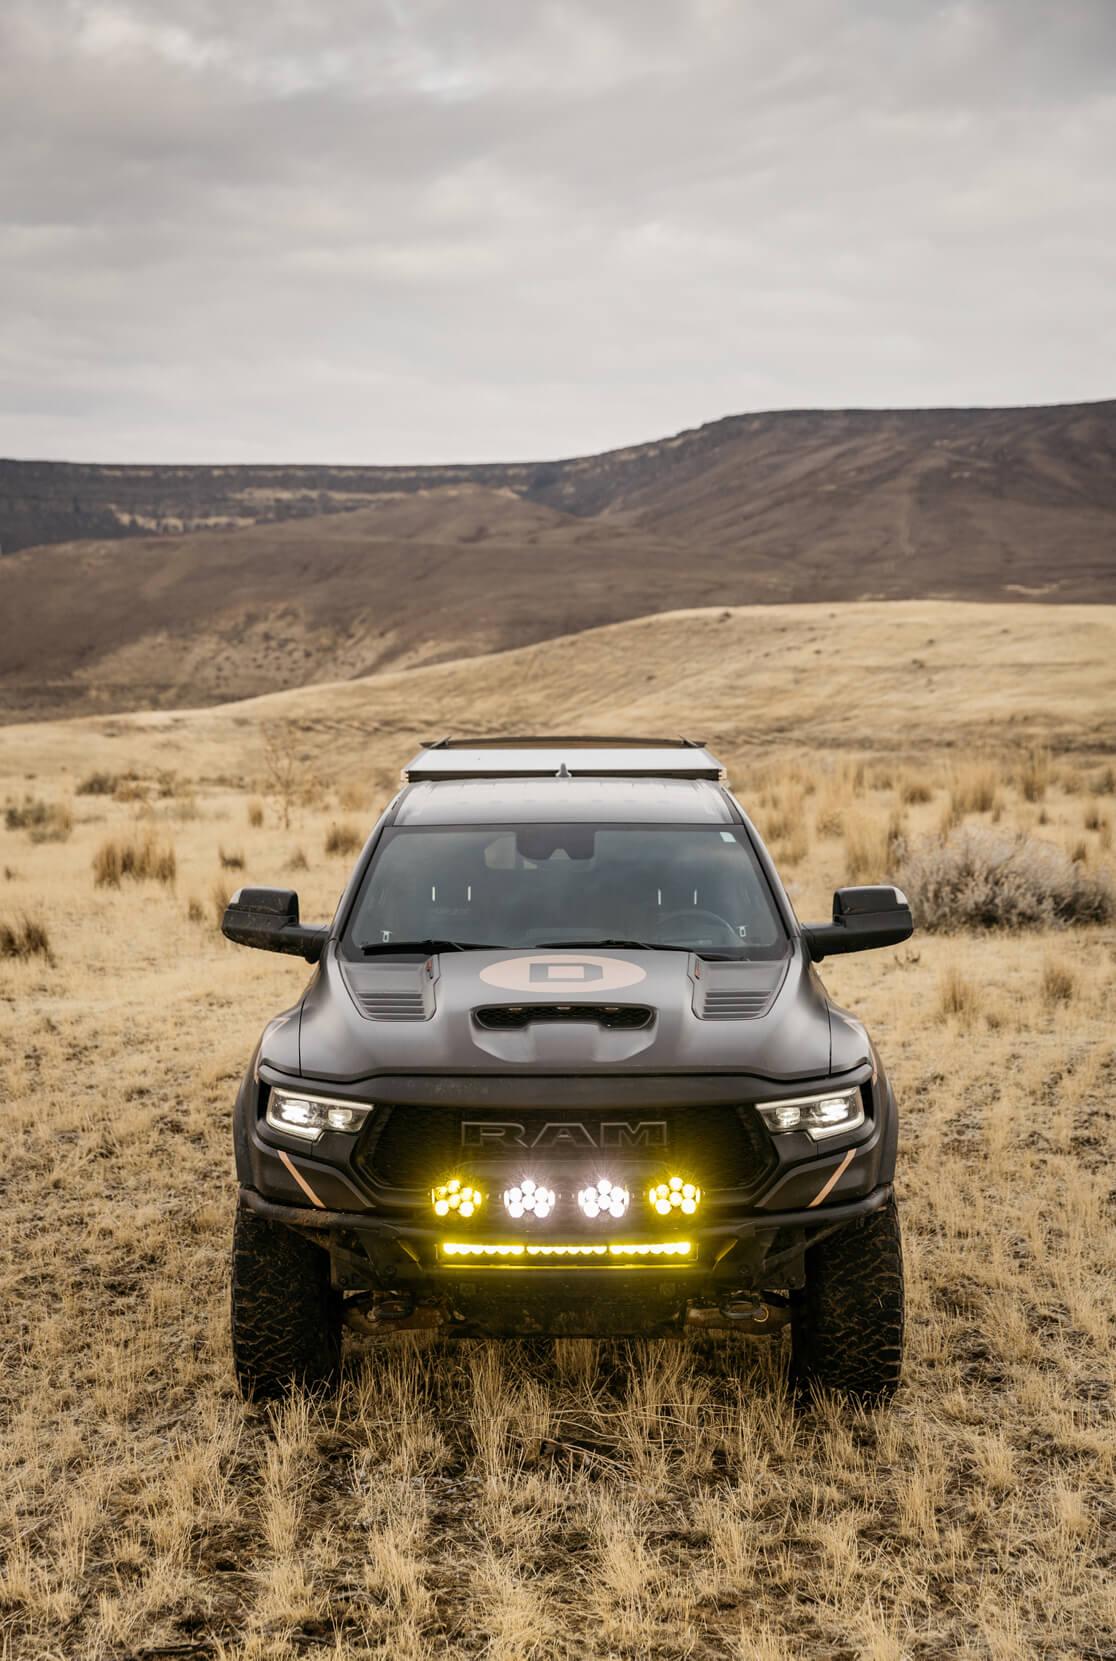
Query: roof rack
{"points": [[563, 757]]}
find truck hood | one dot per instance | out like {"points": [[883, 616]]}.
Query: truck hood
{"points": [[561, 1012]]}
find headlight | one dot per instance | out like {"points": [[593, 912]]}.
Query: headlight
{"points": [[307, 1116], [819, 1116]]}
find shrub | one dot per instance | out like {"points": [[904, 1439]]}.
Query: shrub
{"points": [[343, 839], [43, 821], [957, 996], [871, 847], [231, 860], [219, 896], [982, 879], [973, 789], [914, 790], [27, 938], [298, 861], [1033, 776], [98, 784], [195, 911], [255, 814], [1059, 982], [142, 858]]}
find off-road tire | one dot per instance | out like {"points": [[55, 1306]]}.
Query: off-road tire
{"points": [[286, 1316], [847, 1325]]}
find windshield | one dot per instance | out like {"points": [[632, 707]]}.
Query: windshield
{"points": [[695, 887]]}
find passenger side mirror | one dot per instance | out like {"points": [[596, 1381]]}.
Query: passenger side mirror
{"points": [[268, 919], [863, 918]]}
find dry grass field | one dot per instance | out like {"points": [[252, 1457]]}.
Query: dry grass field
{"points": [[580, 1498]]}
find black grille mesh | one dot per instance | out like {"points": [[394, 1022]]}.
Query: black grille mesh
{"points": [[513, 1017], [415, 1147]]}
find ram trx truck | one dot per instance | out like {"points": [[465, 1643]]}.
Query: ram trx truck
{"points": [[565, 1066]]}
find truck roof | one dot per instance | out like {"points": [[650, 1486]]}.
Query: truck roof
{"points": [[535, 800], [493, 758]]}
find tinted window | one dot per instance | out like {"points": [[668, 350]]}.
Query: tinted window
{"points": [[686, 886]]}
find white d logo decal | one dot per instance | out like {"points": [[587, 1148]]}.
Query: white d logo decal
{"points": [[566, 973]]}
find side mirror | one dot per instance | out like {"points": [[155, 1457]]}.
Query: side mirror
{"points": [[268, 918], [862, 918]]}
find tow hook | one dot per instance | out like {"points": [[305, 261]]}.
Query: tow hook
{"points": [[739, 1310], [746, 1309], [392, 1309]]}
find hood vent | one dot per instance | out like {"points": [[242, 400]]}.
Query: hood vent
{"points": [[392, 1006], [514, 1017], [390, 991], [731, 1004]]}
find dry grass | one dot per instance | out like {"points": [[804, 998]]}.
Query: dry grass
{"points": [[526, 1501], [26, 938], [43, 821], [142, 858], [98, 784], [343, 839], [232, 859]]}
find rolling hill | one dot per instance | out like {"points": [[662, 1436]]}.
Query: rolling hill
{"points": [[292, 576]]}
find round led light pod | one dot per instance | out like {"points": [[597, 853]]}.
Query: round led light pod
{"points": [[456, 1198], [674, 1195], [605, 1199], [528, 1199]]}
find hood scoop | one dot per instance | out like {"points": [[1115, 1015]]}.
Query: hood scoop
{"points": [[736, 991], [390, 991], [514, 1017]]}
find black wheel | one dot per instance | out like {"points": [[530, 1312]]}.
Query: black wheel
{"points": [[286, 1316], [847, 1326]]}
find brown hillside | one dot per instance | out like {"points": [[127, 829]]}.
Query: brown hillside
{"points": [[443, 563]]}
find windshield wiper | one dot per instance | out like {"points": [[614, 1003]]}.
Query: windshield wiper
{"points": [[630, 945], [371, 948]]}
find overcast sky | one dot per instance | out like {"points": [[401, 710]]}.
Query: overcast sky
{"points": [[435, 230]]}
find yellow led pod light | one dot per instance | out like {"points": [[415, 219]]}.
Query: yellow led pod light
{"points": [[456, 1199], [674, 1196]]}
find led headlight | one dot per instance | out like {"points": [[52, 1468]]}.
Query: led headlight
{"points": [[529, 1199], [308, 1116], [456, 1198], [833, 1114], [676, 1194], [607, 1199]]}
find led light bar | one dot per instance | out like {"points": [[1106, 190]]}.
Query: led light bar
{"points": [[675, 1195], [607, 1199], [529, 1199], [637, 1248], [308, 1116], [833, 1114], [456, 1196]]}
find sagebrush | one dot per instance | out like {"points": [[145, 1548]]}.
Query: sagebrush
{"points": [[978, 878]]}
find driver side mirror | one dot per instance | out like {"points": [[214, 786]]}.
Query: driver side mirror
{"points": [[863, 918], [268, 919]]}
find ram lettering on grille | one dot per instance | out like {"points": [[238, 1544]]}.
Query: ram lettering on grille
{"points": [[495, 1134]]}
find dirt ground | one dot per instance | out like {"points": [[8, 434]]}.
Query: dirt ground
{"points": [[580, 1498]]}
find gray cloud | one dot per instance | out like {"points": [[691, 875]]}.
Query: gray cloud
{"points": [[466, 229]]}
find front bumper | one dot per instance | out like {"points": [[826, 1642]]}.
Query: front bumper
{"points": [[386, 1245]]}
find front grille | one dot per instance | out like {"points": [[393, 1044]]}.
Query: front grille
{"points": [[391, 1006], [513, 1017], [730, 1005], [417, 1147]]}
